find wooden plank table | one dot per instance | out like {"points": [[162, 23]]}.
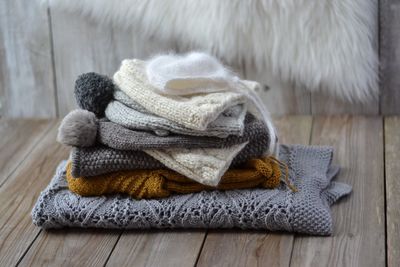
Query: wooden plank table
{"points": [[366, 224]]}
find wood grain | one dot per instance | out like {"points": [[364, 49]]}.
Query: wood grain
{"points": [[359, 221], [390, 56], [18, 138], [229, 248], [149, 248], [82, 45], [71, 247], [26, 71], [67, 247], [392, 155], [19, 193], [280, 97], [323, 104]]}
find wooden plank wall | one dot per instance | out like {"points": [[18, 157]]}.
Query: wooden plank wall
{"points": [[43, 50], [390, 56]]}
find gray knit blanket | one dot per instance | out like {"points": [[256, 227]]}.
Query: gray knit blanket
{"points": [[306, 211]]}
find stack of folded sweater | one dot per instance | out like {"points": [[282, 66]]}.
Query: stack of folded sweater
{"points": [[179, 141]]}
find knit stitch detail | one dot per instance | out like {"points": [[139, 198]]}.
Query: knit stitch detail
{"points": [[193, 111], [126, 112], [119, 137], [100, 159], [306, 211], [159, 183], [205, 166], [116, 136]]}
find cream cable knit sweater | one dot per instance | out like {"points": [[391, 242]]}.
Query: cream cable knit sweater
{"points": [[193, 111]]}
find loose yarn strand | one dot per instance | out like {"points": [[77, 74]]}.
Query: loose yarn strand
{"points": [[255, 98], [286, 174]]}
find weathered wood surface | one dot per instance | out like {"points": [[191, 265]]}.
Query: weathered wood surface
{"points": [[359, 220], [257, 248], [392, 167], [26, 70], [18, 138], [390, 56], [81, 45], [19, 193], [280, 97], [71, 247], [323, 104], [157, 248], [33, 37], [359, 232]]}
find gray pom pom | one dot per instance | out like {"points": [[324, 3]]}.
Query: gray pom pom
{"points": [[93, 92], [78, 128]]}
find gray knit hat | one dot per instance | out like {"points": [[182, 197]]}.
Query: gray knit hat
{"points": [[95, 93], [81, 128]]}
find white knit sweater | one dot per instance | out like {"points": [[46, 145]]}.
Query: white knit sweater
{"points": [[203, 165], [193, 111]]}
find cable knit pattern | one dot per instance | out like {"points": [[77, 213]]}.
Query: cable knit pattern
{"points": [[193, 111], [126, 112], [306, 211], [203, 165], [159, 183]]}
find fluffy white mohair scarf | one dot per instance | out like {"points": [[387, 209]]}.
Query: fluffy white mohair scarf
{"points": [[324, 44]]}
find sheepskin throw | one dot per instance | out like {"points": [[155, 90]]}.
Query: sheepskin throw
{"points": [[325, 44], [305, 211]]}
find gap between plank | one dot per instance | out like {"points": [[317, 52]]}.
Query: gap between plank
{"points": [[28, 248], [113, 248], [294, 234], [50, 126], [384, 189], [201, 248], [53, 64]]}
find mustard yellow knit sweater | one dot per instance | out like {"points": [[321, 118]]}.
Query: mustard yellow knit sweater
{"points": [[161, 183]]}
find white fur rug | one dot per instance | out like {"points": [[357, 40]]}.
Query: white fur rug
{"points": [[324, 44]]}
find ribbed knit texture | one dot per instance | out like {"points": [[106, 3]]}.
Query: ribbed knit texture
{"points": [[159, 183], [191, 156], [306, 211], [193, 111], [207, 165], [116, 136], [126, 112], [100, 159]]}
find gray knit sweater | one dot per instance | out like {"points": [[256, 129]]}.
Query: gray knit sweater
{"points": [[100, 159], [306, 211]]}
